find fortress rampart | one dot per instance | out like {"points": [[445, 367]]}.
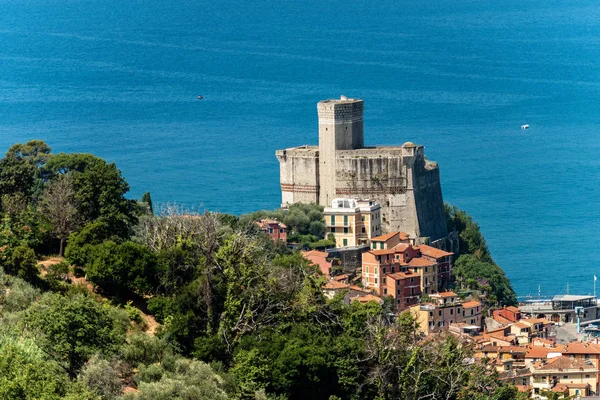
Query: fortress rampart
{"points": [[400, 178]]}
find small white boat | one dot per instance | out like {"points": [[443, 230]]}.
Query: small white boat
{"points": [[526, 126], [200, 97]]}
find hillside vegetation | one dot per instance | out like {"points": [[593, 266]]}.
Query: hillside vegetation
{"points": [[240, 318]]}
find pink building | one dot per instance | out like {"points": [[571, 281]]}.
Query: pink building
{"points": [[273, 228]]}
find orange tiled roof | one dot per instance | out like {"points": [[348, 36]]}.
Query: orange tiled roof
{"points": [[402, 275], [513, 309], [471, 304], [560, 388], [521, 325], [401, 247], [366, 298], [524, 388], [445, 294], [566, 362], [582, 348], [385, 238], [318, 258], [421, 262], [315, 253], [359, 289], [341, 277], [335, 285], [538, 352], [433, 252]]}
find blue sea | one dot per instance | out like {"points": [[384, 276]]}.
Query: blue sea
{"points": [[120, 79]]}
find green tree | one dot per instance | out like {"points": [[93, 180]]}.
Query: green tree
{"points": [[102, 378], [123, 269], [71, 329], [473, 273], [22, 263], [183, 379], [35, 152], [147, 200], [81, 244], [99, 189], [27, 375]]}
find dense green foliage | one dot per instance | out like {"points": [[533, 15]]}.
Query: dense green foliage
{"points": [[475, 268], [304, 221], [240, 317]]}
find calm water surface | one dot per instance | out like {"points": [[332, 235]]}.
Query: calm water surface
{"points": [[121, 80]]}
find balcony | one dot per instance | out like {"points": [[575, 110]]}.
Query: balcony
{"points": [[543, 383]]}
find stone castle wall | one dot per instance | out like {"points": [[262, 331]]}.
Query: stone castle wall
{"points": [[400, 178]]}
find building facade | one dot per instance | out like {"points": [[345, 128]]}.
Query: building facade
{"points": [[401, 179], [352, 222]]}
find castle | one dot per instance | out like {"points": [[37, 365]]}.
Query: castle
{"points": [[401, 179]]}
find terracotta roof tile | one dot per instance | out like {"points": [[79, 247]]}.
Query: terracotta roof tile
{"points": [[403, 275], [444, 294], [471, 304], [400, 247], [335, 285], [582, 348], [382, 252], [566, 363], [538, 352], [366, 298], [421, 262], [433, 252], [385, 238]]}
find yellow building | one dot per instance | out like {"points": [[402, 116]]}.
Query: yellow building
{"points": [[576, 374], [353, 222], [428, 271]]}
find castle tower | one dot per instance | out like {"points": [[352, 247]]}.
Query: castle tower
{"points": [[340, 128]]}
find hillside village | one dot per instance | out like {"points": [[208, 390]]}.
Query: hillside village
{"points": [[418, 279]]}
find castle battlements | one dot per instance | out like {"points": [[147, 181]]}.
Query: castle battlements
{"points": [[400, 178]]}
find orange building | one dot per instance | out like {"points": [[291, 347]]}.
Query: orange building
{"points": [[273, 228]]}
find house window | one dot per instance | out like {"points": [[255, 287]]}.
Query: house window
{"points": [[565, 376], [451, 311], [587, 376], [345, 242], [364, 230], [384, 289], [381, 245], [439, 313], [398, 292], [375, 280], [345, 220], [345, 230], [383, 281], [384, 270], [281, 230], [431, 313], [333, 220], [363, 218], [412, 291], [270, 230], [398, 301], [524, 381], [332, 230], [412, 280], [471, 311], [425, 269], [415, 270]]}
